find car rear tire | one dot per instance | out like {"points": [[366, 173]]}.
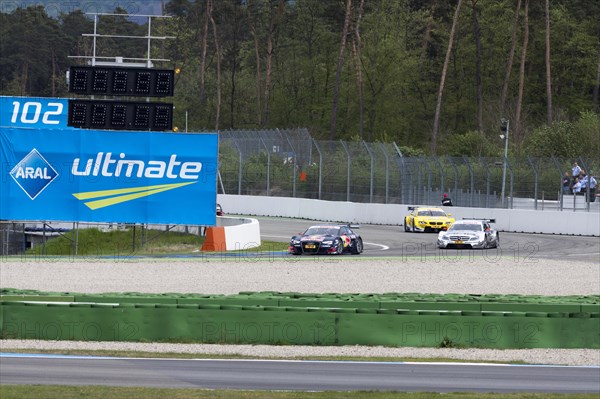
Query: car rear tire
{"points": [[406, 225], [357, 248]]}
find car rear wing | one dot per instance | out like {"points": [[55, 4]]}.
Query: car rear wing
{"points": [[353, 226], [482, 219], [412, 208]]}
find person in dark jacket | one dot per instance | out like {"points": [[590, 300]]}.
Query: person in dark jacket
{"points": [[446, 201]]}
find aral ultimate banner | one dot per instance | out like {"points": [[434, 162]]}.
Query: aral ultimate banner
{"points": [[108, 176]]}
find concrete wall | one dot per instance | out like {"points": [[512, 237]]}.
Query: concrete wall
{"points": [[513, 220]]}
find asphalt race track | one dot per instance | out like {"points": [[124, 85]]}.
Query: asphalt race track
{"points": [[383, 275], [295, 375], [393, 241]]}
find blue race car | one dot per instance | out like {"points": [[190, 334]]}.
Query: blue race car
{"points": [[327, 240]]}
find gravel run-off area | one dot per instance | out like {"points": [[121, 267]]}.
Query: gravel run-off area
{"points": [[314, 275]]}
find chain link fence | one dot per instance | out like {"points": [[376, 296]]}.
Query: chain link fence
{"points": [[290, 163]]}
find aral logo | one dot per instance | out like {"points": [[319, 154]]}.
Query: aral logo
{"points": [[33, 174]]}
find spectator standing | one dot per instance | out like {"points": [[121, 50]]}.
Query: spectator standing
{"points": [[583, 180], [566, 183], [446, 201], [575, 171], [591, 181]]}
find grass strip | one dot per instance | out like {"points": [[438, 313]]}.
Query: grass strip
{"points": [[131, 242], [102, 392]]}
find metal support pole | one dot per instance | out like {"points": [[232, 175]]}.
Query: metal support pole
{"points": [[587, 189], [402, 173], [148, 62], [294, 167], [94, 45], [348, 171], [505, 160], [471, 175], [387, 172], [439, 164], [512, 178], [535, 183], [240, 166], [372, 172], [320, 166], [487, 182], [455, 170]]}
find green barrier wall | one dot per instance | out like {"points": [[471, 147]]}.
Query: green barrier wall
{"points": [[511, 303], [253, 324]]}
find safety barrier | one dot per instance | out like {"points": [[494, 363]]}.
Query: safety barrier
{"points": [[512, 220], [231, 234], [509, 321]]}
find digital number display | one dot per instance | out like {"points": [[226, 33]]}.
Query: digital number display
{"points": [[119, 115], [121, 81]]}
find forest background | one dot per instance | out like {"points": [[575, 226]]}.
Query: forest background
{"points": [[433, 76]]}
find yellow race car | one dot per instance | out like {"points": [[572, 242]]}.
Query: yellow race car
{"points": [[424, 219]]}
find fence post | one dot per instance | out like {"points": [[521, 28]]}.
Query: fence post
{"points": [[372, 171], [535, 182], [320, 166], [455, 169], [587, 186], [240, 164], [293, 167], [437, 161], [560, 175], [512, 178], [487, 181], [387, 171], [468, 163], [348, 171], [403, 173], [268, 166]]}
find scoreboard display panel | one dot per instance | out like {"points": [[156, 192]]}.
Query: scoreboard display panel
{"points": [[121, 81]]}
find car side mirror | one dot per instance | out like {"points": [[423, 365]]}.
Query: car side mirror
{"points": [[449, 214]]}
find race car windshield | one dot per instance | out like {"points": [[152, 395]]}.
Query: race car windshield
{"points": [[468, 227], [432, 213], [323, 231]]}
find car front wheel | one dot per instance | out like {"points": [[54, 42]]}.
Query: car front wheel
{"points": [[357, 248], [339, 248]]}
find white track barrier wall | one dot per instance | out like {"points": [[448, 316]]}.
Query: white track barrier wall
{"points": [[240, 233], [512, 220]]}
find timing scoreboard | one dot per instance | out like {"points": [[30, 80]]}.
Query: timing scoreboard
{"points": [[121, 81], [119, 114]]}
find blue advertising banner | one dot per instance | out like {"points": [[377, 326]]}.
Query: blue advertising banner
{"points": [[34, 112], [108, 176]]}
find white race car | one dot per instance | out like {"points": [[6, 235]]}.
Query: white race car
{"points": [[469, 233]]}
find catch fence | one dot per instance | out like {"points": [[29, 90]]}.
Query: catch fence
{"points": [[290, 163]]}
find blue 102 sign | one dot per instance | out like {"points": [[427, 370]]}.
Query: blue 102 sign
{"points": [[28, 112]]}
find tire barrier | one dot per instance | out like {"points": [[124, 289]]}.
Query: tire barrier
{"points": [[307, 319], [231, 234]]}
